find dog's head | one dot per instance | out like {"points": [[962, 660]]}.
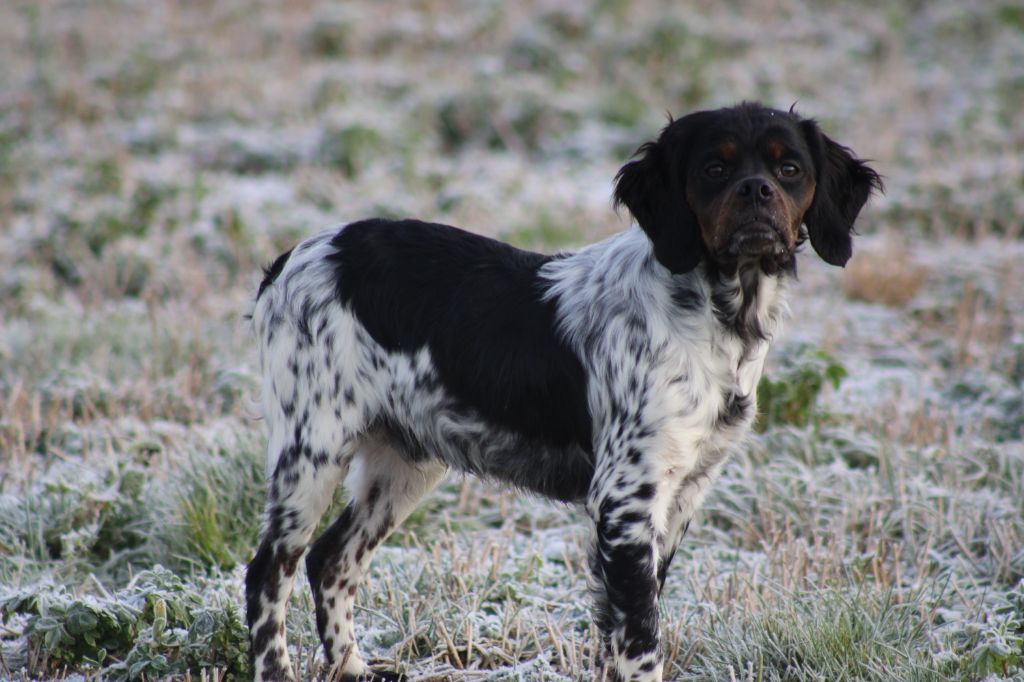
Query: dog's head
{"points": [[738, 184]]}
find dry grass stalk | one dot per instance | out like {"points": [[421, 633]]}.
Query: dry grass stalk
{"points": [[890, 277]]}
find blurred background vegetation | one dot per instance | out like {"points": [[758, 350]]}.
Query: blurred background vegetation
{"points": [[153, 155]]}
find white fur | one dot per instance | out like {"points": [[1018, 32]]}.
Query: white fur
{"points": [[660, 374]]}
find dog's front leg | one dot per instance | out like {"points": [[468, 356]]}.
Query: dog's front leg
{"points": [[624, 562]]}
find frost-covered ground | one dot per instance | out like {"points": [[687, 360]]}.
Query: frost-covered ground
{"points": [[153, 155]]}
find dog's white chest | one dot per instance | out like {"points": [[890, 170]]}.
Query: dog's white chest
{"points": [[749, 370]]}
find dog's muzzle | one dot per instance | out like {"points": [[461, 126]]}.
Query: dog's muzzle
{"points": [[756, 237]]}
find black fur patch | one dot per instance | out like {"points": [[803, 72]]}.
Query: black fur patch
{"points": [[271, 273], [631, 589], [476, 304], [734, 409]]}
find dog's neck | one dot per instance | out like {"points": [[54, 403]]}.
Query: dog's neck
{"points": [[746, 300]]}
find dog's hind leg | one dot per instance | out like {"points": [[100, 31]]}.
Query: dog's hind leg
{"points": [[300, 489], [318, 372], [384, 488]]}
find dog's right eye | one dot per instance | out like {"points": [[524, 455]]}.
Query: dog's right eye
{"points": [[714, 170]]}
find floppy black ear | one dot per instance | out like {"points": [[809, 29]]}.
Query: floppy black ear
{"points": [[844, 184], [656, 196]]}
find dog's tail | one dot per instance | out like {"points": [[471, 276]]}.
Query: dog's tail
{"points": [[271, 273]]}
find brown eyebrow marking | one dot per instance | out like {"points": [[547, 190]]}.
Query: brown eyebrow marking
{"points": [[727, 151], [776, 150]]}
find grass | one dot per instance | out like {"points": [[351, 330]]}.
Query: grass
{"points": [[870, 277], [152, 158], [216, 507], [837, 635]]}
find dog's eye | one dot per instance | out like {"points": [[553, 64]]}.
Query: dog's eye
{"points": [[715, 170], [789, 170]]}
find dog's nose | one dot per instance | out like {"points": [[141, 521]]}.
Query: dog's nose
{"points": [[757, 188]]}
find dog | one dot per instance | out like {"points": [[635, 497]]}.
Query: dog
{"points": [[619, 377]]}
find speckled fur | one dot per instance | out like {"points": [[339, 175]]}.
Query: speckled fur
{"points": [[619, 377], [671, 396]]}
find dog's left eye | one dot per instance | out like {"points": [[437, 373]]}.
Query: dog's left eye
{"points": [[789, 170], [714, 170]]}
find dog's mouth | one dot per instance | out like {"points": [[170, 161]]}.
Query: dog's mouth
{"points": [[756, 236]]}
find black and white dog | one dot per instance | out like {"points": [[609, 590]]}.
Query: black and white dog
{"points": [[620, 376]]}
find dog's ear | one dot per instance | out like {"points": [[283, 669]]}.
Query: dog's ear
{"points": [[843, 185], [653, 190]]}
